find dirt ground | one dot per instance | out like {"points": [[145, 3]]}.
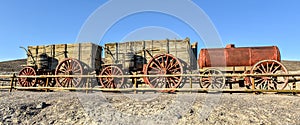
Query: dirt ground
{"points": [[24, 107]]}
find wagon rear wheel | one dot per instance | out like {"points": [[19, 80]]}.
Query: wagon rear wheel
{"points": [[69, 67], [112, 82], [269, 82], [27, 82], [164, 64], [212, 82]]}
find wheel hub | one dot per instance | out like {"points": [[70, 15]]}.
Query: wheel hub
{"points": [[69, 72], [163, 71]]}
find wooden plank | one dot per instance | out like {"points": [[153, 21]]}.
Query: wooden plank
{"points": [[88, 53], [179, 48]]}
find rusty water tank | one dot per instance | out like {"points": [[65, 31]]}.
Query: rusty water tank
{"points": [[240, 56]]}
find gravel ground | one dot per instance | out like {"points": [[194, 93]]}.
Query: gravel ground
{"points": [[23, 107]]}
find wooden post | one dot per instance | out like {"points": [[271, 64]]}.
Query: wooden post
{"points": [[134, 83], [230, 86], [47, 83], [86, 86], [234, 79], [191, 84], [253, 84], [294, 85], [12, 82]]}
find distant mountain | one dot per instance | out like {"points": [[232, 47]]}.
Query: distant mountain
{"points": [[12, 65], [292, 65]]}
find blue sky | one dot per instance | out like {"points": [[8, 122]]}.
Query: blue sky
{"points": [[242, 22]]}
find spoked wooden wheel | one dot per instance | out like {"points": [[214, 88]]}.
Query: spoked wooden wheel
{"points": [[113, 82], [27, 82], [164, 64], [269, 82], [69, 67], [212, 82]]}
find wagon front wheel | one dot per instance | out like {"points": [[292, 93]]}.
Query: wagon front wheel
{"points": [[112, 82], [69, 66], [27, 82], [212, 79]]}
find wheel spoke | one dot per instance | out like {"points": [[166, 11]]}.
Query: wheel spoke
{"points": [[275, 84], [157, 65], [170, 64], [154, 79], [263, 67], [176, 63], [273, 71], [155, 68], [261, 71], [267, 67], [162, 62], [272, 67]]}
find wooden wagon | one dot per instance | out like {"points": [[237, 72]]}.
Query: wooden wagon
{"points": [[148, 57], [60, 59]]}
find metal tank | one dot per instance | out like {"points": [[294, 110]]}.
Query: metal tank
{"points": [[236, 56]]}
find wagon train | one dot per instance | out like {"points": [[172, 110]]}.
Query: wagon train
{"points": [[167, 59]]}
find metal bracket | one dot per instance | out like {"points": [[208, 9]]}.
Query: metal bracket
{"points": [[29, 54]]}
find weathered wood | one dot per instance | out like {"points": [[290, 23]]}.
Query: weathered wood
{"points": [[12, 83], [132, 54], [87, 53]]}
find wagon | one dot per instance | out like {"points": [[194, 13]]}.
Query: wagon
{"points": [[60, 59], [214, 63], [148, 57]]}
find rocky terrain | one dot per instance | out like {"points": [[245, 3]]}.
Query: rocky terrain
{"points": [[23, 107]]}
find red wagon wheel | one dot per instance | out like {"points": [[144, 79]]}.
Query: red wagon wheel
{"points": [[112, 82], [27, 82], [269, 82], [212, 82], [69, 67], [164, 64]]}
